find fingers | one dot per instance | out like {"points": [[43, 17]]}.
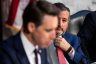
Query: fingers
{"points": [[58, 41], [62, 43]]}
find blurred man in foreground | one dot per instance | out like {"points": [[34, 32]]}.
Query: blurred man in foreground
{"points": [[26, 47]]}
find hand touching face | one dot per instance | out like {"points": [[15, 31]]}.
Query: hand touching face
{"points": [[62, 43]]}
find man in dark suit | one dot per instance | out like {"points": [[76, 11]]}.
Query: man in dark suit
{"points": [[28, 46], [87, 35], [68, 42]]}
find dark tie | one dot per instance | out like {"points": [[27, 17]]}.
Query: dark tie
{"points": [[36, 55], [60, 55]]}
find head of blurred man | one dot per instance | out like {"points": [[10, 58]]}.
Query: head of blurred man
{"points": [[40, 20], [63, 16]]}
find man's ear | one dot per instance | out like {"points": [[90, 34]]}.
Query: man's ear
{"points": [[31, 27]]}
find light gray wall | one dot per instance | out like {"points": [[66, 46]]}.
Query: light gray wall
{"points": [[77, 5]]}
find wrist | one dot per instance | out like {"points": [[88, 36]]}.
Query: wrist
{"points": [[69, 49], [72, 53]]}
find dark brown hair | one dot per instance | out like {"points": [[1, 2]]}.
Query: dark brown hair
{"points": [[61, 6], [36, 10]]}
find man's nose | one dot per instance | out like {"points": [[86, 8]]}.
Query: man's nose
{"points": [[53, 35]]}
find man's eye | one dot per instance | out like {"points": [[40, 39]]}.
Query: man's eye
{"points": [[64, 20], [48, 30]]}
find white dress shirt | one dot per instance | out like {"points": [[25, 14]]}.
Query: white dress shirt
{"points": [[72, 54], [29, 49]]}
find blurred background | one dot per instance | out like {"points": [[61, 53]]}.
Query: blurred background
{"points": [[11, 14]]}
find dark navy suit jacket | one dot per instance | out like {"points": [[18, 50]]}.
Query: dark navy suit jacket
{"points": [[79, 57], [12, 52], [87, 35]]}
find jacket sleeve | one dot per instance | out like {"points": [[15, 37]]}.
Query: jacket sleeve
{"points": [[87, 34], [79, 56]]}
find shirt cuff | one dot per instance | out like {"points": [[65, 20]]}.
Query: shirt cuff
{"points": [[72, 53]]}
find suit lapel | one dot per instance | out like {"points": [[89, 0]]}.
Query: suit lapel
{"points": [[20, 50], [44, 56]]}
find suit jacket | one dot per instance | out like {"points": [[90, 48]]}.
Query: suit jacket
{"points": [[87, 35], [79, 57], [12, 52]]}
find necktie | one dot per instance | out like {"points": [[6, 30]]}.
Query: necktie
{"points": [[60, 55], [36, 56]]}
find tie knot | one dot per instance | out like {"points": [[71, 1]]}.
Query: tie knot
{"points": [[36, 51]]}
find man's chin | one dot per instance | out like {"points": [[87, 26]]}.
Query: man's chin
{"points": [[45, 46]]}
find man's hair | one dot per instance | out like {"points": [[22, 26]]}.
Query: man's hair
{"points": [[62, 7], [36, 10]]}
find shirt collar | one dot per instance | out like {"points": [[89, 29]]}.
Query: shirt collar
{"points": [[28, 46]]}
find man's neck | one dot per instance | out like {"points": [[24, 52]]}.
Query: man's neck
{"points": [[29, 37]]}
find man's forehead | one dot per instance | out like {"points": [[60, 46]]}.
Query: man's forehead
{"points": [[49, 19]]}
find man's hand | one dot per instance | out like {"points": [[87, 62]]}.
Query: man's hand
{"points": [[62, 43]]}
